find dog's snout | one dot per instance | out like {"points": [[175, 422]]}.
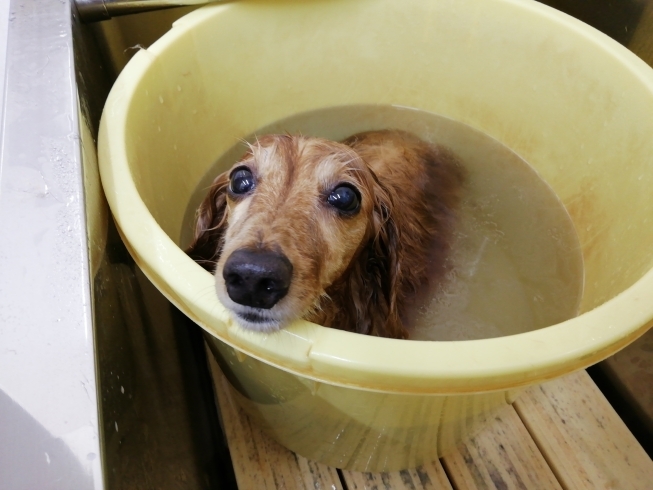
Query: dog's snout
{"points": [[257, 278]]}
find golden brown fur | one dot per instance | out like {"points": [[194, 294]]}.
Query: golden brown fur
{"points": [[355, 272]]}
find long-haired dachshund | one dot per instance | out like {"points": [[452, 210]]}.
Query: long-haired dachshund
{"points": [[340, 234]]}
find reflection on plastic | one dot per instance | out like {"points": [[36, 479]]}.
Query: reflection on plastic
{"points": [[350, 428]]}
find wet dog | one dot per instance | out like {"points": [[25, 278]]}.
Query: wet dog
{"points": [[341, 234]]}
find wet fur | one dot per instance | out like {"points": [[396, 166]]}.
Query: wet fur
{"points": [[358, 273]]}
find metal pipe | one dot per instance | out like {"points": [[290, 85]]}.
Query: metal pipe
{"points": [[98, 10]]}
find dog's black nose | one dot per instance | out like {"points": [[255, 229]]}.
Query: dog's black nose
{"points": [[257, 278]]}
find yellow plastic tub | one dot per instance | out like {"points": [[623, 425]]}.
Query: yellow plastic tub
{"points": [[573, 103]]}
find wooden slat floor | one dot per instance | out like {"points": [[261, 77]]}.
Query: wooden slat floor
{"points": [[562, 434]]}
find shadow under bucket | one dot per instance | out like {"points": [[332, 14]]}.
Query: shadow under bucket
{"points": [[574, 104]]}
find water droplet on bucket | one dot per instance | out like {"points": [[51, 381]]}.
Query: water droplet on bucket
{"points": [[314, 387]]}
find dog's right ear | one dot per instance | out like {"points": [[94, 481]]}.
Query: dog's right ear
{"points": [[211, 223]]}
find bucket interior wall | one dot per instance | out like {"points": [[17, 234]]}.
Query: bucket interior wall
{"points": [[575, 114]]}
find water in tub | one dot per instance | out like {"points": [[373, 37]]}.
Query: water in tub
{"points": [[516, 262]]}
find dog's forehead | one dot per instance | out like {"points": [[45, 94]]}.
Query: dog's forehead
{"points": [[310, 159], [298, 153]]}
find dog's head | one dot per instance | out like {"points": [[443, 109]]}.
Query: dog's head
{"points": [[286, 223]]}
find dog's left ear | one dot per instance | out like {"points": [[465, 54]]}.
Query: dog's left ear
{"points": [[375, 276], [210, 225]]}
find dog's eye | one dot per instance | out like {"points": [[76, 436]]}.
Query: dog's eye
{"points": [[242, 181], [345, 198]]}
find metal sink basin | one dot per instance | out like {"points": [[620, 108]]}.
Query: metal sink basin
{"points": [[103, 384]]}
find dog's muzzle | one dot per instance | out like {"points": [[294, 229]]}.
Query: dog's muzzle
{"points": [[257, 278]]}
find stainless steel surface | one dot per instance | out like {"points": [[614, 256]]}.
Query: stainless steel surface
{"points": [[97, 10], [49, 423], [120, 38], [159, 419], [83, 334], [99, 387]]}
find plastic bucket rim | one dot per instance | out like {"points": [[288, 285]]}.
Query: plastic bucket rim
{"points": [[320, 349]]}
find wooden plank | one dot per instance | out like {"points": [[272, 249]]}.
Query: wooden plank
{"points": [[584, 441], [259, 462], [502, 456], [427, 477]]}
